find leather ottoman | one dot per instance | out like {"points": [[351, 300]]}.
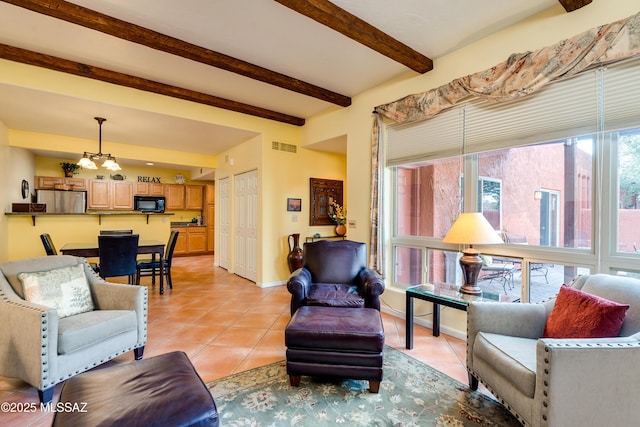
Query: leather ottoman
{"points": [[160, 391], [335, 342]]}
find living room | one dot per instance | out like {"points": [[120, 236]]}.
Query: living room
{"points": [[282, 178]]}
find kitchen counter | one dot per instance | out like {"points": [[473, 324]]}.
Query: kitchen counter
{"points": [[185, 224]]}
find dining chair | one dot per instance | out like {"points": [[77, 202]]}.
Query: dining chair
{"points": [[115, 232], [118, 255], [47, 242], [50, 249], [151, 267]]}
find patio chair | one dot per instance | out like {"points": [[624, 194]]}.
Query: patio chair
{"points": [[495, 268]]}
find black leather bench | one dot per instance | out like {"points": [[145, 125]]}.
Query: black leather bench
{"points": [[163, 390]]}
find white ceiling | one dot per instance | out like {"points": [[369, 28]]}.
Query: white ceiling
{"points": [[261, 32]]}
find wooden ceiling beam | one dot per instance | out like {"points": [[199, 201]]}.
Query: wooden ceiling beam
{"points": [[364, 33], [571, 5], [76, 68], [134, 33]]}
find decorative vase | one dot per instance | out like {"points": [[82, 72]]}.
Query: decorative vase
{"points": [[341, 230], [294, 259]]}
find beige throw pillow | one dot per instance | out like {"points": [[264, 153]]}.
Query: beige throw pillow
{"points": [[66, 289]]}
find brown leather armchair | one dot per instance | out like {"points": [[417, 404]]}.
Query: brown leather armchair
{"points": [[335, 274]]}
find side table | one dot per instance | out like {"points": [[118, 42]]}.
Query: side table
{"points": [[443, 294]]}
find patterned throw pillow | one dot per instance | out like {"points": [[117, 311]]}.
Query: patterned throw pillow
{"points": [[66, 289]]}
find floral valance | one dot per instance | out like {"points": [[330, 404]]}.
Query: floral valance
{"points": [[524, 73]]}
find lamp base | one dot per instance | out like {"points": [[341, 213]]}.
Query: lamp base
{"points": [[471, 264]]}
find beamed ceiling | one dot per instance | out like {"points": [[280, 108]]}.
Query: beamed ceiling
{"points": [[281, 60]]}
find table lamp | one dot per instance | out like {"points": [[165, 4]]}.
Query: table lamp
{"points": [[471, 228]]}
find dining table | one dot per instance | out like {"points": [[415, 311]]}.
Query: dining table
{"points": [[91, 250]]}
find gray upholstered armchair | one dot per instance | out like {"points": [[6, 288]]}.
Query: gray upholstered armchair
{"points": [[43, 348], [335, 274], [558, 382]]}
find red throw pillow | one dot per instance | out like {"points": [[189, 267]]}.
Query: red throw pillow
{"points": [[578, 314]]}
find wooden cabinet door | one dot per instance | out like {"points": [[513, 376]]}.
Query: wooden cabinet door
{"points": [[209, 221], [47, 182], [181, 242], [197, 240], [79, 184], [210, 194], [149, 189], [122, 195], [156, 189], [99, 194], [174, 194], [141, 189], [194, 197]]}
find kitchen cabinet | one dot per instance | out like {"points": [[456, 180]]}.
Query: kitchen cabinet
{"points": [[50, 182], [193, 197], [209, 215], [196, 240], [181, 242], [191, 241], [174, 196], [183, 197], [148, 189], [106, 195]]}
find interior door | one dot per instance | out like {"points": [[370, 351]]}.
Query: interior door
{"points": [[245, 224]]}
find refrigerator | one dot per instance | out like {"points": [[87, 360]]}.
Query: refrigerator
{"points": [[61, 201]]}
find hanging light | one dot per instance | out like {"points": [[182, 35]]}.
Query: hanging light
{"points": [[88, 160]]}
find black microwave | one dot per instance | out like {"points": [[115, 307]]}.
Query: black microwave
{"points": [[148, 203]]}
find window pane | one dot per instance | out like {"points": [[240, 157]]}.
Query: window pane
{"points": [[428, 197], [545, 193], [628, 191], [546, 279], [408, 266], [490, 201]]}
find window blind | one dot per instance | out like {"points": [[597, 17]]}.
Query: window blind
{"points": [[621, 100], [563, 109], [568, 108], [434, 138]]}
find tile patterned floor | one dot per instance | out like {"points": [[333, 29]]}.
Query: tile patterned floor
{"points": [[226, 324]]}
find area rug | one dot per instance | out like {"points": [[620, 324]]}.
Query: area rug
{"points": [[411, 394]]}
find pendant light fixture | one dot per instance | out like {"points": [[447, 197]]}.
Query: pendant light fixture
{"points": [[88, 159]]}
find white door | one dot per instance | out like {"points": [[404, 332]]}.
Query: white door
{"points": [[223, 212], [245, 225], [252, 227]]}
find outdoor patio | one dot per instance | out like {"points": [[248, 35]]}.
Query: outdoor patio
{"points": [[545, 279]]}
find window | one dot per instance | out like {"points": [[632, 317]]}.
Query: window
{"points": [[628, 217], [539, 194], [556, 173], [490, 201], [428, 197]]}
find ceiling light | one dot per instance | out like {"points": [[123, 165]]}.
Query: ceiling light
{"points": [[88, 160]]}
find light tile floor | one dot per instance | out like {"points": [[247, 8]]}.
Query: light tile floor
{"points": [[226, 324]]}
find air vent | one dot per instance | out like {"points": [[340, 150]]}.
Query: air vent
{"points": [[281, 146]]}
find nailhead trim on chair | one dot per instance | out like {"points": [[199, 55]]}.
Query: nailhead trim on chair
{"points": [[46, 382]]}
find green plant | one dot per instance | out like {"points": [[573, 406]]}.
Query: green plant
{"points": [[69, 168]]}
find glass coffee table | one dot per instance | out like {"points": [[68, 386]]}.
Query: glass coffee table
{"points": [[447, 295]]}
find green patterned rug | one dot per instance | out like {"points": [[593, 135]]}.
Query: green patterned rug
{"points": [[411, 394]]}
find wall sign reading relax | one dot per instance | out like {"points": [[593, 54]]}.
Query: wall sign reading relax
{"points": [[149, 179]]}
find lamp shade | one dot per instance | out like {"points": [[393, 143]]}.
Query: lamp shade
{"points": [[472, 228]]}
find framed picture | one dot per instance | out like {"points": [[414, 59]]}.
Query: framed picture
{"points": [[323, 192], [294, 205]]}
